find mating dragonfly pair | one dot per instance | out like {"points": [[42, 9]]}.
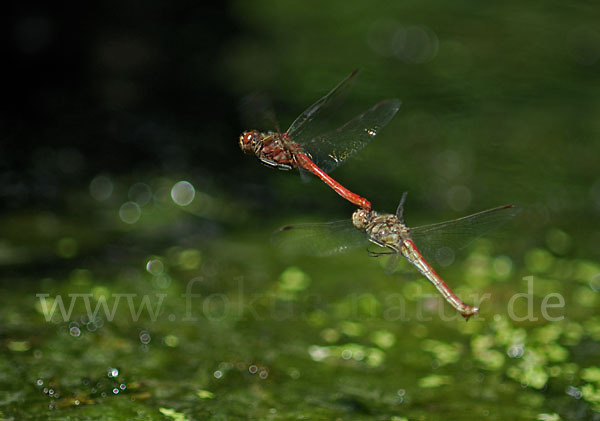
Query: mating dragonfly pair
{"points": [[306, 146]]}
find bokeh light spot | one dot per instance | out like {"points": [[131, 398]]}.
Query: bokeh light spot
{"points": [[140, 193], [101, 188], [538, 260], [18, 346], [171, 341], [145, 337], [75, 331], [183, 193], [67, 247], [502, 266], [189, 259], [330, 335], [130, 212], [162, 281], [155, 267], [459, 198], [383, 339], [444, 256], [558, 241], [293, 279], [415, 44]]}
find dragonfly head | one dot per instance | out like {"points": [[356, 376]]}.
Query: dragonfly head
{"points": [[361, 218], [248, 141]]}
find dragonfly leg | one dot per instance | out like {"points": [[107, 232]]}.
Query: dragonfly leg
{"points": [[373, 253], [275, 164], [400, 209]]}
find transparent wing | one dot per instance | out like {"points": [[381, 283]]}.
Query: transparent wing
{"points": [[302, 128], [330, 149], [305, 175], [439, 242], [321, 240], [392, 263]]}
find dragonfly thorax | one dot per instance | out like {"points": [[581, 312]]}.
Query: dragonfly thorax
{"points": [[273, 149], [385, 230]]}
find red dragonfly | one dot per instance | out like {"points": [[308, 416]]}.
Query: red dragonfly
{"points": [[390, 232], [308, 145]]}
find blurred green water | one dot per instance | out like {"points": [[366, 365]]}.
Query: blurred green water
{"points": [[499, 106]]}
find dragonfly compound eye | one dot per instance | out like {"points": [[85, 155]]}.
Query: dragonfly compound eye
{"points": [[247, 141], [360, 218]]}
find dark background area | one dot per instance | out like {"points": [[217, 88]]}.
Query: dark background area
{"points": [[112, 87]]}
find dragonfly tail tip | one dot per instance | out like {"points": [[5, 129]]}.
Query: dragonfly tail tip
{"points": [[470, 313]]}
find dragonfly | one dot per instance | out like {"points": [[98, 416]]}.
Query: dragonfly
{"points": [[310, 145], [418, 245]]}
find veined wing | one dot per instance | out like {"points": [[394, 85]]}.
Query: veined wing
{"points": [[302, 128], [320, 239], [438, 242], [330, 149]]}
